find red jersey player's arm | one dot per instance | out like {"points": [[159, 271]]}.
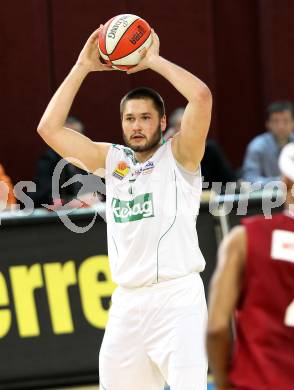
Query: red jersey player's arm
{"points": [[224, 293]]}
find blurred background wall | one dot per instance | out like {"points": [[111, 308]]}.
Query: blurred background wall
{"points": [[243, 49]]}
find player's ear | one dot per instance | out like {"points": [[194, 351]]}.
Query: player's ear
{"points": [[163, 123]]}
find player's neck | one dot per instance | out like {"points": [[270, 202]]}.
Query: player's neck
{"points": [[141, 157]]}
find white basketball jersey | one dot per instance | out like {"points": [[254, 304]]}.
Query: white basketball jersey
{"points": [[151, 212]]}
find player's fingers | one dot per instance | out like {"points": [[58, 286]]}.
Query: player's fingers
{"points": [[93, 37], [94, 34], [143, 52], [133, 70], [136, 69], [155, 38], [100, 29], [107, 67]]}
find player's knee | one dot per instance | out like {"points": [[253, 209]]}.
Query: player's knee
{"points": [[189, 378], [190, 386]]}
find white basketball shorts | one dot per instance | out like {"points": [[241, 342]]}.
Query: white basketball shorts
{"points": [[155, 335]]}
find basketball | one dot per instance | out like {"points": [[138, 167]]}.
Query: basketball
{"points": [[121, 40]]}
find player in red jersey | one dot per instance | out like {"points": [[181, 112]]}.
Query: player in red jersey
{"points": [[254, 281]]}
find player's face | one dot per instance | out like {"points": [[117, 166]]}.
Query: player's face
{"points": [[141, 125], [281, 124]]}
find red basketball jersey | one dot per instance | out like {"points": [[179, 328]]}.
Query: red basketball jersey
{"points": [[264, 350]]}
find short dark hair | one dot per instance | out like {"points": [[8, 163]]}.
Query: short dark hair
{"points": [[279, 106], [144, 93]]}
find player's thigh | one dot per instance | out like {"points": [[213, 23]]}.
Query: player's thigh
{"points": [[123, 362], [185, 362], [140, 373], [188, 378]]}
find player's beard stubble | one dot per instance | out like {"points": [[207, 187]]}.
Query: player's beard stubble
{"points": [[149, 145]]}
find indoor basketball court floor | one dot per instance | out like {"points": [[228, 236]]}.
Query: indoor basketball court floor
{"points": [[210, 386]]}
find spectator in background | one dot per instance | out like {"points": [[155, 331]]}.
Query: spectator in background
{"points": [[6, 199], [214, 165], [262, 154], [174, 122], [45, 169]]}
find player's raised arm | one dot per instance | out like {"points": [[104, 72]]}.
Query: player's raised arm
{"points": [[189, 144], [64, 141], [223, 296]]}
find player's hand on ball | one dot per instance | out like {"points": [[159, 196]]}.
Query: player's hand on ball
{"points": [[147, 55], [89, 56]]}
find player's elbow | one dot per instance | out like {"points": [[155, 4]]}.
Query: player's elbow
{"points": [[202, 95], [44, 130], [205, 93], [217, 327]]}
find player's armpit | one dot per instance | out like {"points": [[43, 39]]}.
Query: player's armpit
{"points": [[78, 149]]}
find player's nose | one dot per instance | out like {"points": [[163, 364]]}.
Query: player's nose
{"points": [[136, 125]]}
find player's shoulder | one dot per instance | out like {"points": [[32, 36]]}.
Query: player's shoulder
{"points": [[259, 220], [252, 220], [232, 251], [117, 149], [121, 148], [237, 234]]}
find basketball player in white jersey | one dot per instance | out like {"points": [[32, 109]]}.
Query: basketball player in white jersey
{"points": [[156, 327]]}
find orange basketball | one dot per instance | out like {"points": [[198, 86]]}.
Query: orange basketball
{"points": [[121, 40]]}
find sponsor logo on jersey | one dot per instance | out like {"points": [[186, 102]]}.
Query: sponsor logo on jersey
{"points": [[150, 164], [282, 247], [134, 210], [121, 171], [146, 171], [148, 168]]}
